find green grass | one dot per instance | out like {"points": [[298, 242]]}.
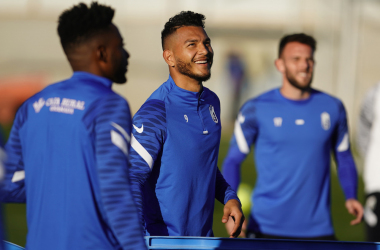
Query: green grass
{"points": [[16, 219]]}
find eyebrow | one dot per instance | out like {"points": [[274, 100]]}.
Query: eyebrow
{"points": [[196, 40]]}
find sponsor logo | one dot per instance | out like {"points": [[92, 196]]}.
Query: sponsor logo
{"points": [[139, 130], [325, 121], [300, 122], [212, 113], [55, 104], [186, 118], [277, 121], [38, 105]]}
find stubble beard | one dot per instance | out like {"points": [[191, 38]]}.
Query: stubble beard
{"points": [[185, 69], [291, 79]]}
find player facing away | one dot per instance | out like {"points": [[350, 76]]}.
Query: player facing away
{"points": [[69, 145], [175, 141], [294, 129]]}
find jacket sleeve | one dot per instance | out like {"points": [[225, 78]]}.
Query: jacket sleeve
{"points": [[244, 136], [148, 136], [366, 119], [112, 145], [347, 173], [13, 185]]}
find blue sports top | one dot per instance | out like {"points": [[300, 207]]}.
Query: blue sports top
{"points": [[174, 153], [293, 142], [67, 159]]}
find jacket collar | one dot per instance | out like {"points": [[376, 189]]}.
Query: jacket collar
{"points": [[81, 75]]}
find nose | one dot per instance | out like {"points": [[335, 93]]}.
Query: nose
{"points": [[126, 54], [205, 49]]}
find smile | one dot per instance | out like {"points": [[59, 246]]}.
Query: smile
{"points": [[201, 62]]}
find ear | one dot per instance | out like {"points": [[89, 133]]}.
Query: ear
{"points": [[279, 63], [101, 54], [169, 57]]}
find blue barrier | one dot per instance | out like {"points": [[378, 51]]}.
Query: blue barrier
{"points": [[11, 246], [209, 243]]}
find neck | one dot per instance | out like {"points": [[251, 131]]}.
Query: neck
{"points": [[186, 82], [293, 93]]}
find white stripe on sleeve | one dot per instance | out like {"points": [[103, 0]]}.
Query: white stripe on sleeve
{"points": [[239, 135], [122, 131], [18, 176], [142, 151], [119, 142], [343, 146]]}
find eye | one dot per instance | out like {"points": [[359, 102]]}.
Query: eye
{"points": [[191, 44]]}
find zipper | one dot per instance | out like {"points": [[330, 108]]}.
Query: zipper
{"points": [[205, 131]]}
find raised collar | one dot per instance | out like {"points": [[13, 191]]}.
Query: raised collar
{"points": [[184, 96], [81, 75]]}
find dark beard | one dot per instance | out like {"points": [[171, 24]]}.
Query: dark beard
{"points": [[295, 84], [184, 68]]}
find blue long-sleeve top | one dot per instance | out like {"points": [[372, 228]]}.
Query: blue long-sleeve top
{"points": [[174, 153], [293, 143], [68, 160]]}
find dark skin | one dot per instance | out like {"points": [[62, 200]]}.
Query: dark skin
{"points": [[102, 55], [189, 55]]}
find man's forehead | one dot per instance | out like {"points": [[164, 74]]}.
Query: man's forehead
{"points": [[297, 48], [190, 32]]}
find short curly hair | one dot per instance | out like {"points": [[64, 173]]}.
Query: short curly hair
{"points": [[300, 37], [81, 22], [184, 18]]}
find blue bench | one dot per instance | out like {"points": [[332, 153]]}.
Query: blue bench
{"points": [[204, 243]]}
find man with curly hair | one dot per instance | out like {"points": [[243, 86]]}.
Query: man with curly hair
{"points": [[68, 148], [175, 141]]}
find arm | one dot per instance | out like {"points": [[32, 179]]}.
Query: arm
{"points": [[244, 135], [148, 137], [112, 135], [13, 186], [366, 119], [346, 166]]}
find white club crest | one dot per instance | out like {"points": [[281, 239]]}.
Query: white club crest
{"points": [[212, 113], [325, 120], [186, 118]]}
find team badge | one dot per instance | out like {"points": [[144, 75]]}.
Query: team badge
{"points": [[325, 120], [186, 118], [212, 113]]}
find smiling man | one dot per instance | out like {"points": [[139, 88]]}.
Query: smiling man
{"points": [[294, 129], [175, 141]]}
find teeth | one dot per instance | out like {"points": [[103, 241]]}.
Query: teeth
{"points": [[303, 74], [201, 62]]}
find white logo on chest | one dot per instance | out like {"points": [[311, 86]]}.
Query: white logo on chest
{"points": [[212, 113], [186, 118], [325, 121], [277, 121], [300, 122]]}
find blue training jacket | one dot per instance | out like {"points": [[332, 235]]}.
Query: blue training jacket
{"points": [[67, 159], [293, 143], [174, 154]]}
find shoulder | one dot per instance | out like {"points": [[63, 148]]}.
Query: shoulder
{"points": [[264, 98], [162, 92], [326, 99]]}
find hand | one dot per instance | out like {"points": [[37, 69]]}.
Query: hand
{"points": [[233, 209], [230, 225], [355, 208]]}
